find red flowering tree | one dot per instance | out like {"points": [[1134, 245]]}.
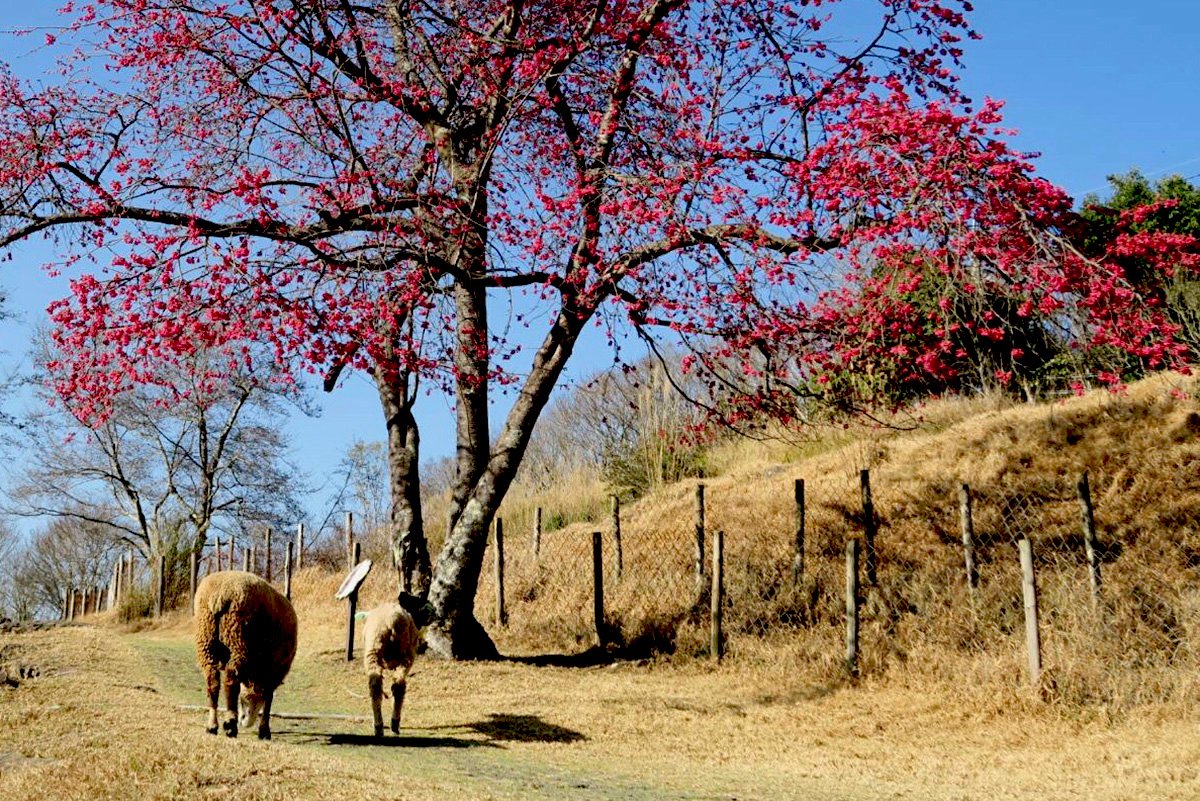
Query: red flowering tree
{"points": [[349, 184]]}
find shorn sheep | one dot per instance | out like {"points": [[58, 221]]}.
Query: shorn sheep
{"points": [[247, 629], [391, 635]]}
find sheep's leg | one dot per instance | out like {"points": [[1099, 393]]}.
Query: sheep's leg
{"points": [[232, 686], [213, 681], [264, 725], [398, 688], [375, 687]]}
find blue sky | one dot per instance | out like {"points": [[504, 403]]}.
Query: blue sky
{"points": [[1095, 86]]}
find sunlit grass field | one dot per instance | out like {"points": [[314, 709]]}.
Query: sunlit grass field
{"points": [[942, 709], [112, 715]]}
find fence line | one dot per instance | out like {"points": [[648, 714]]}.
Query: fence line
{"points": [[947, 577], [1108, 575]]}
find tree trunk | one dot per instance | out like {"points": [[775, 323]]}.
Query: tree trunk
{"points": [[410, 554], [471, 394], [455, 633]]}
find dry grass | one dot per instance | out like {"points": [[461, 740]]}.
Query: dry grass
{"points": [[921, 626], [102, 720], [941, 711]]}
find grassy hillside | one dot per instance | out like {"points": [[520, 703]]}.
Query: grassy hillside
{"points": [[1140, 447], [941, 709]]}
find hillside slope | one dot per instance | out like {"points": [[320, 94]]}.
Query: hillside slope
{"points": [[1140, 448]]}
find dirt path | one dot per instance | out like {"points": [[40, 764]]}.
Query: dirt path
{"points": [[103, 719]]}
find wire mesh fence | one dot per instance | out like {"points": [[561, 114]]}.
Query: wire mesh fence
{"points": [[941, 581], [1115, 560]]}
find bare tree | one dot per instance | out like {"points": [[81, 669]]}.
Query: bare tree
{"points": [[360, 485], [172, 465], [67, 553], [634, 425], [9, 553]]}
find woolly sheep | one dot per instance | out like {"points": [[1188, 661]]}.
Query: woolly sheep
{"points": [[391, 634], [246, 628]]}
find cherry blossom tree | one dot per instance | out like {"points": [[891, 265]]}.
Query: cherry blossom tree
{"points": [[357, 184]]}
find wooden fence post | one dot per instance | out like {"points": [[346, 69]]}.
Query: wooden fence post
{"points": [[598, 587], [699, 529], [852, 593], [267, 555], [501, 613], [350, 541], [355, 553], [717, 642], [967, 524], [537, 533], [1088, 522], [160, 586], [246, 559], [287, 572], [299, 545], [798, 527], [114, 586], [1033, 642], [616, 524], [193, 573], [870, 526]]}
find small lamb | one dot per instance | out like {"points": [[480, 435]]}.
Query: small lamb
{"points": [[245, 627], [391, 634]]}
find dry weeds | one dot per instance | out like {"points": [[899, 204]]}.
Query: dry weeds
{"points": [[942, 710], [1141, 449], [103, 720]]}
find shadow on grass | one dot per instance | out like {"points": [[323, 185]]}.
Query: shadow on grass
{"points": [[523, 729], [655, 639], [589, 658], [407, 741], [495, 730], [596, 656]]}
